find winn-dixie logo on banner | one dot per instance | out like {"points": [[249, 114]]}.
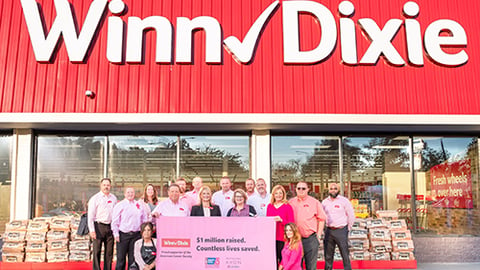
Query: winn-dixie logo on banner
{"points": [[216, 242], [452, 184], [243, 48]]}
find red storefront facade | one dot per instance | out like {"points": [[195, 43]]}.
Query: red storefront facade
{"points": [[361, 67]]}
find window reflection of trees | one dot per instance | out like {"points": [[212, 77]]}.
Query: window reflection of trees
{"points": [[211, 162]]}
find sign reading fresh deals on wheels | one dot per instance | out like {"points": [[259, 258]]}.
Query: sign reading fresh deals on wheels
{"points": [[249, 56]]}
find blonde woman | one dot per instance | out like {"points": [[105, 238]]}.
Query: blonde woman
{"points": [[206, 208], [282, 213], [292, 252]]}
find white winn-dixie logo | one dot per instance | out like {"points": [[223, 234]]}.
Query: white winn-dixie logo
{"points": [[77, 45]]}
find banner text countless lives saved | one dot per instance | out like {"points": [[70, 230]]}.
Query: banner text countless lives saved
{"points": [[433, 42]]}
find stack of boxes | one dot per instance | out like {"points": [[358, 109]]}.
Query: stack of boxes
{"points": [[13, 249], [57, 240], [36, 235], [385, 238], [45, 240], [80, 247]]}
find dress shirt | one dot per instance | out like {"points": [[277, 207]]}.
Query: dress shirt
{"points": [[339, 212], [292, 259], [100, 209], [187, 200], [285, 211], [169, 209], [194, 195], [308, 213], [223, 200], [260, 203], [127, 217]]}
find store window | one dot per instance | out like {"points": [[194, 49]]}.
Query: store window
{"points": [[5, 179], [212, 157], [68, 172], [377, 174], [447, 186], [312, 159], [140, 160]]}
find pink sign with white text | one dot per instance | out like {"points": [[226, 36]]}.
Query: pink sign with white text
{"points": [[215, 243]]}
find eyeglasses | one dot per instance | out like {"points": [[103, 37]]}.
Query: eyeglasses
{"points": [[301, 188]]}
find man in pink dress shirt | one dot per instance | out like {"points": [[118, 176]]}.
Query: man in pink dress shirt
{"points": [[128, 216], [340, 218], [184, 198], [310, 219], [172, 207], [100, 209], [197, 184]]}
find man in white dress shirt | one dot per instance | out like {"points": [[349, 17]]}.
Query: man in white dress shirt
{"points": [[223, 197]]}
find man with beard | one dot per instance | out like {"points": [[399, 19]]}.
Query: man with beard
{"points": [[260, 199], [340, 218]]}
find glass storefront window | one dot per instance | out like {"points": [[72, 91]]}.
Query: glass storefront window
{"points": [[312, 159], [377, 174], [212, 157], [5, 181], [69, 169], [447, 186], [140, 160]]}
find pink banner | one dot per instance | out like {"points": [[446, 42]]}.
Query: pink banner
{"points": [[216, 242], [452, 184]]}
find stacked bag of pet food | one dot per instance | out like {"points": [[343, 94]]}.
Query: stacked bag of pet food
{"points": [[57, 239], [80, 246], [384, 238], [13, 249], [36, 236], [358, 241]]}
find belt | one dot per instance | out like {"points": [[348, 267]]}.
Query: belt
{"points": [[104, 224], [313, 234], [336, 228], [129, 233]]}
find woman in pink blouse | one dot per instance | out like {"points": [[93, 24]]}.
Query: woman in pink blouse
{"points": [[283, 214], [292, 251]]}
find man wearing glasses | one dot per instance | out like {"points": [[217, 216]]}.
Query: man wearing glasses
{"points": [[340, 218], [310, 219]]}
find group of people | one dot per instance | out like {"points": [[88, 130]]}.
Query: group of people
{"points": [[300, 221]]}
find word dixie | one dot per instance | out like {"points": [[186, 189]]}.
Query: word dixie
{"points": [[117, 51]]}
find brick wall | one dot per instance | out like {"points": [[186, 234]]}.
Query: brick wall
{"points": [[447, 249]]}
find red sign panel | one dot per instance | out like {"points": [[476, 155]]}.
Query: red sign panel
{"points": [[257, 56], [452, 184]]}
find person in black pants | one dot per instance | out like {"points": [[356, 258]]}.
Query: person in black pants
{"points": [[340, 218], [99, 218]]}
